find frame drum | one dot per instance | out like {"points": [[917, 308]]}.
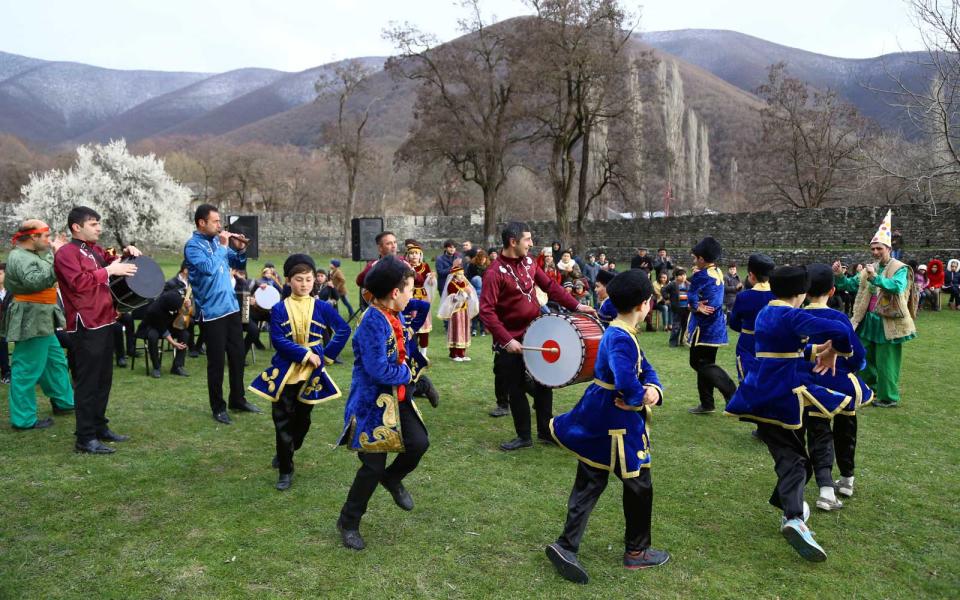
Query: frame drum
{"points": [[265, 298], [130, 293]]}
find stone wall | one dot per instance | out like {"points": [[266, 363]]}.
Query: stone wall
{"points": [[789, 236]]}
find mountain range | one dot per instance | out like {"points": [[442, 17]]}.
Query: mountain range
{"points": [[59, 103]]}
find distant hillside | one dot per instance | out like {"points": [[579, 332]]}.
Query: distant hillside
{"points": [[285, 93], [743, 61], [56, 101], [172, 109]]}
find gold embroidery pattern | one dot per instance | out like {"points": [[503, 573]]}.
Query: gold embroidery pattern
{"points": [[387, 437], [270, 376]]}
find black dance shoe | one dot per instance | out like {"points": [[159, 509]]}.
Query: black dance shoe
{"points": [[401, 496], [351, 537], [246, 407], [109, 436], [222, 417], [179, 371], [93, 446], [567, 564], [40, 424], [285, 481], [516, 444]]}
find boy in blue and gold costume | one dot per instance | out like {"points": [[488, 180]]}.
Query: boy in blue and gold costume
{"points": [[840, 444], [747, 306], [776, 394], [608, 431], [415, 315], [707, 328], [380, 415], [296, 379]]}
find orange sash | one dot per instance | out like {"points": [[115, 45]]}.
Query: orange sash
{"points": [[47, 296]]}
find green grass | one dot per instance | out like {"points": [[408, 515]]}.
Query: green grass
{"points": [[187, 508]]}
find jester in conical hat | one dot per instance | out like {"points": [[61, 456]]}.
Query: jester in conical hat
{"points": [[883, 313]]}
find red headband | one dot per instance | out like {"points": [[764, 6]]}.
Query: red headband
{"points": [[20, 234]]}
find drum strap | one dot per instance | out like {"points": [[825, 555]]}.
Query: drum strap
{"points": [[47, 296]]}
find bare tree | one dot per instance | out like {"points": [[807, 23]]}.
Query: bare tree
{"points": [[465, 112], [577, 61], [347, 135], [810, 142], [931, 104]]}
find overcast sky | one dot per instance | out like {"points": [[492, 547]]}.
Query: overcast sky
{"points": [[292, 35]]}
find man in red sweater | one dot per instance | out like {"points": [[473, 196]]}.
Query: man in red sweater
{"points": [[83, 271], [508, 304]]}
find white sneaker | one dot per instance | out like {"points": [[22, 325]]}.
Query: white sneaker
{"points": [[806, 515], [465, 359], [843, 488], [456, 359], [828, 504]]}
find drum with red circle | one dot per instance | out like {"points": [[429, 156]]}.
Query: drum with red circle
{"points": [[560, 349]]}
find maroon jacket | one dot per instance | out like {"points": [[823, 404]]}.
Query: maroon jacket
{"points": [[508, 300], [81, 273]]}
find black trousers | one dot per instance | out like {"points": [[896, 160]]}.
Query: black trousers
{"points": [[4, 358], [124, 331], [792, 465], [637, 507], [374, 469], [252, 336], [710, 376], [845, 442], [180, 356], [820, 448], [224, 336], [92, 378], [510, 374], [291, 419]]}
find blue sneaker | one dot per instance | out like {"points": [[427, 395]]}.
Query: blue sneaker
{"points": [[801, 538]]}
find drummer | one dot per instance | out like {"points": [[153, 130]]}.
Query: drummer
{"points": [[83, 270], [508, 304]]}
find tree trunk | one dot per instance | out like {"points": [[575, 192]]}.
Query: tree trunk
{"points": [[490, 194], [348, 213], [583, 188]]}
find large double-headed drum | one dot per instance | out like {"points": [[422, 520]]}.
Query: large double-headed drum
{"points": [[133, 291], [566, 348]]}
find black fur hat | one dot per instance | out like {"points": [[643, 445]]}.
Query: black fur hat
{"points": [[297, 259], [708, 249], [605, 277], [387, 274], [630, 288], [760, 265], [789, 281], [821, 279]]}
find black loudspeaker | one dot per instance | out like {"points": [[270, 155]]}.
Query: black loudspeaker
{"points": [[363, 238], [248, 225]]}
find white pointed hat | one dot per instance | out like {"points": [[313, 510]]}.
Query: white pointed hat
{"points": [[884, 232]]}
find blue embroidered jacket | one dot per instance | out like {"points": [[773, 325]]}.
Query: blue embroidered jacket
{"points": [[371, 418], [607, 312], [318, 387], [743, 318], [706, 285], [783, 384], [846, 381], [415, 315], [596, 430]]}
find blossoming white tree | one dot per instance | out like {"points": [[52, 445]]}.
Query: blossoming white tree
{"points": [[136, 198]]}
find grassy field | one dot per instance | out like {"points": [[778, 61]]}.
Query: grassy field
{"points": [[187, 507]]}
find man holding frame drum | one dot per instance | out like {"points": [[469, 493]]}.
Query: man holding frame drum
{"points": [[83, 271]]}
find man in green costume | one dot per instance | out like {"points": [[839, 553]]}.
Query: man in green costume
{"points": [[883, 314], [30, 321]]}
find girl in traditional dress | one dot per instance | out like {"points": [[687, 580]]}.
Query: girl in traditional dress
{"points": [[459, 305], [424, 288]]}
